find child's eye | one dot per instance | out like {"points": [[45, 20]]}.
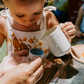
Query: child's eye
{"points": [[37, 13], [20, 15]]}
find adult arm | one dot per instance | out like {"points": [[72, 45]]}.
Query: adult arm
{"points": [[78, 22], [79, 18], [68, 27], [28, 73]]}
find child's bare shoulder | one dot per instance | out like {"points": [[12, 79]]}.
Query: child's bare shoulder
{"points": [[49, 14], [3, 25], [51, 19]]}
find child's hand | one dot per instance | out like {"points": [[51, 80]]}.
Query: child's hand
{"points": [[69, 30]]}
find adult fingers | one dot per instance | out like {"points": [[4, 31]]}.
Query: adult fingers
{"points": [[79, 35], [38, 77], [82, 34], [34, 79], [34, 65], [38, 71]]}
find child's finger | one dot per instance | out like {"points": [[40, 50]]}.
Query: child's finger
{"points": [[22, 53]]}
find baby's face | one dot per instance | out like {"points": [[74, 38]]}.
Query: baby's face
{"points": [[24, 12]]}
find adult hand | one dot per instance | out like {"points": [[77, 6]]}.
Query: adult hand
{"points": [[69, 29], [79, 34], [25, 73], [12, 60], [83, 34]]}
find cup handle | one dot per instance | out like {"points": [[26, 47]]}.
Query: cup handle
{"points": [[28, 59]]}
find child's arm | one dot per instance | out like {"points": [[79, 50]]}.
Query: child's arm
{"points": [[68, 28], [51, 20], [3, 30]]}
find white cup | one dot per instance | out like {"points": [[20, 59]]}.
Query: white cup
{"points": [[35, 52], [57, 41]]}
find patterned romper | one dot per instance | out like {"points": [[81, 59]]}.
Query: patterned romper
{"points": [[20, 40]]}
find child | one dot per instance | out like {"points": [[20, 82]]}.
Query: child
{"points": [[80, 22], [25, 22]]}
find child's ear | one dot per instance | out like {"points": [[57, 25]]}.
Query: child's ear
{"points": [[5, 3]]}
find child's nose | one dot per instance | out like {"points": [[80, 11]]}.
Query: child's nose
{"points": [[31, 20]]}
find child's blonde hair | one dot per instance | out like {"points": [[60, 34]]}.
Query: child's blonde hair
{"points": [[7, 2]]}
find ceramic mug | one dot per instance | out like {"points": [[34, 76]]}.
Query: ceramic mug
{"points": [[35, 52], [57, 41]]}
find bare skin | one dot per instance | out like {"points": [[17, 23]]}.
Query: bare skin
{"points": [[24, 20], [78, 22], [15, 70]]}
